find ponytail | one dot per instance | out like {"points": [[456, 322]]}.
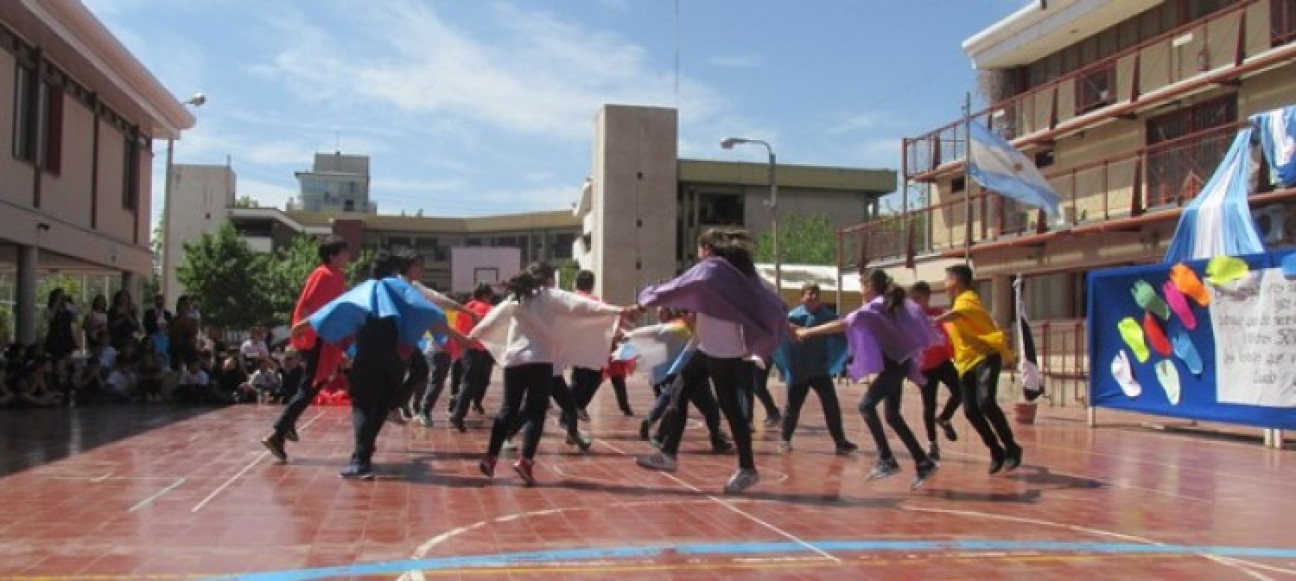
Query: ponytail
{"points": [[893, 295], [530, 281]]}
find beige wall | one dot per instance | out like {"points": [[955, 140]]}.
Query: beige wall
{"points": [[19, 177], [634, 201], [203, 194], [66, 195]]}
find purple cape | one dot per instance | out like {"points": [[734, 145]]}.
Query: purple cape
{"points": [[715, 288], [873, 334]]}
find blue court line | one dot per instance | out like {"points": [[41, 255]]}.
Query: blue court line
{"points": [[534, 557]]}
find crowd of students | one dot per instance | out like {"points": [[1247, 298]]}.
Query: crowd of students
{"points": [[740, 328]]}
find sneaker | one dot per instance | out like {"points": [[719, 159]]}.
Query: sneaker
{"points": [[741, 480], [773, 421], [290, 434], [925, 472], [996, 461], [846, 448], [948, 428], [424, 419], [358, 471], [582, 415], [934, 452], [644, 428], [397, 416], [657, 461], [656, 442], [509, 446], [487, 466], [275, 444], [524, 467], [458, 423], [784, 446], [883, 469], [579, 441], [1014, 458]]}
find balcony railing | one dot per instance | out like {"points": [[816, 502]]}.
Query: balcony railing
{"points": [[1215, 42], [1150, 179]]}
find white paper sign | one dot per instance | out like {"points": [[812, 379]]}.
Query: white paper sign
{"points": [[1255, 340]]}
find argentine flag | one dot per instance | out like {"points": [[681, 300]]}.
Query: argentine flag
{"points": [[998, 166], [1218, 222], [1278, 139]]}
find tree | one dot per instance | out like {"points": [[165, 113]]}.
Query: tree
{"points": [[803, 240], [246, 202], [226, 279], [287, 268]]}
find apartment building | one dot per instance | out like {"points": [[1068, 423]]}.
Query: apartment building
{"points": [[80, 114], [1127, 108]]}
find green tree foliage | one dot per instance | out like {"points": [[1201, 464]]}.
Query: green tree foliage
{"points": [[803, 240], [226, 279], [246, 202]]}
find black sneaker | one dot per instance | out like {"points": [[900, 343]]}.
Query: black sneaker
{"points": [[1014, 458], [948, 428], [720, 445], [290, 434], [925, 471], [846, 448], [644, 428], [996, 461], [772, 421], [458, 423], [358, 471], [275, 445]]}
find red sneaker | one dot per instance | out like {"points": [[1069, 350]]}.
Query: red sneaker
{"points": [[523, 468]]}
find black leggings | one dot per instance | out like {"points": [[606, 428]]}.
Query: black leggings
{"points": [[526, 398], [944, 373], [887, 388], [980, 390], [732, 379]]}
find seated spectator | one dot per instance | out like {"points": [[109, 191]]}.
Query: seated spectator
{"points": [[232, 382], [89, 383], [149, 372], [266, 381], [195, 386], [107, 353], [37, 391], [254, 349], [121, 383], [290, 374]]}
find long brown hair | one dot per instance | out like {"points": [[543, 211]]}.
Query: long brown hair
{"points": [[530, 281], [735, 245], [882, 285]]}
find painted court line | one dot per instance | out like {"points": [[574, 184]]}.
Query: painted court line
{"points": [[249, 466], [738, 511], [146, 501]]}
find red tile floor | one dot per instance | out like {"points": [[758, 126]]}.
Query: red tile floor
{"points": [[167, 493]]}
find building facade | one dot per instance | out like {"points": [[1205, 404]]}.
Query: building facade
{"points": [[202, 198], [337, 182], [1127, 108], [80, 117], [642, 208]]}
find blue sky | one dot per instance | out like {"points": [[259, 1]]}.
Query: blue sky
{"points": [[484, 107]]}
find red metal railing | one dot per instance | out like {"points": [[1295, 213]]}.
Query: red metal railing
{"points": [[1282, 21], [1217, 40], [1062, 351]]}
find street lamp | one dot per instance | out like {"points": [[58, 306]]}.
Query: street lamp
{"points": [[196, 100], [729, 143]]}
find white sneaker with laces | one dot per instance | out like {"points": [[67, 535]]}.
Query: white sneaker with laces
{"points": [[741, 480]]}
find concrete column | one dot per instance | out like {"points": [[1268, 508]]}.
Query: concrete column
{"points": [[131, 284], [25, 305], [1001, 288]]}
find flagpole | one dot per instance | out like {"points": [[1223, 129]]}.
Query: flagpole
{"points": [[967, 178]]}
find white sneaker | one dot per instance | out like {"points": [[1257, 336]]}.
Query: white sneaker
{"points": [[509, 446], [741, 480], [658, 461]]}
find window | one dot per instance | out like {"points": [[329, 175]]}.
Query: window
{"points": [[131, 171], [1282, 21], [562, 245], [38, 120], [1177, 170], [1044, 158], [721, 209], [1094, 89]]}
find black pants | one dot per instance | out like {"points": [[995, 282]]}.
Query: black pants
{"points": [[306, 391], [477, 367], [701, 397], [526, 398], [456, 378], [944, 373], [980, 388], [759, 390], [586, 383], [887, 388], [372, 385], [732, 379], [823, 387], [432, 388]]}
